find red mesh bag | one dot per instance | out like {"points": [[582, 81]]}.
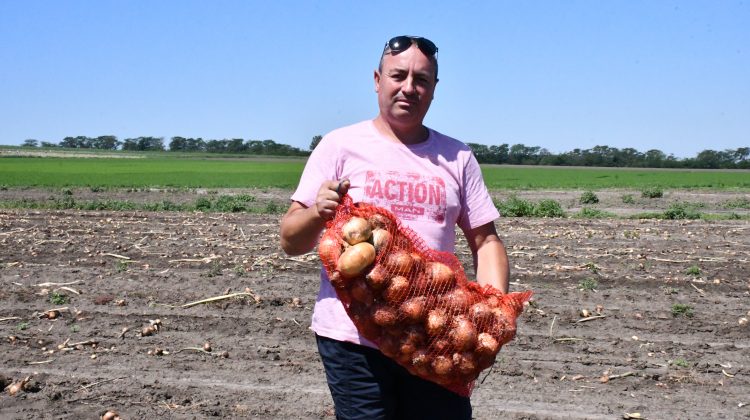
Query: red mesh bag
{"points": [[414, 302]]}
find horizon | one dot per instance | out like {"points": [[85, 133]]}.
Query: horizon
{"points": [[670, 76]]}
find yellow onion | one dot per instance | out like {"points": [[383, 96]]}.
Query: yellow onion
{"points": [[463, 334], [440, 276], [355, 259], [399, 262], [465, 362], [421, 361], [384, 315], [378, 277], [397, 290], [480, 313], [457, 300], [329, 250], [380, 221], [381, 239], [356, 230], [436, 322], [414, 309], [487, 345], [442, 365], [360, 291]]}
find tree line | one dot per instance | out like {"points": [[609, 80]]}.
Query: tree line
{"points": [[605, 156], [517, 154], [176, 144]]}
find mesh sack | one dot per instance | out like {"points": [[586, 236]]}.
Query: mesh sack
{"points": [[415, 303]]}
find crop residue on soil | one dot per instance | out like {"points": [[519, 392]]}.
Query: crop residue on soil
{"points": [[662, 335]]}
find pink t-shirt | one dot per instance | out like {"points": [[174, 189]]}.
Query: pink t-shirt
{"points": [[431, 186]]}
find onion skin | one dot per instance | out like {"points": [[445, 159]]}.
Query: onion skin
{"points": [[384, 315], [330, 250], [480, 313], [421, 361], [399, 262], [378, 277], [381, 239], [360, 291], [442, 365], [463, 334], [380, 221], [356, 230], [487, 345], [436, 322], [440, 276], [414, 310], [457, 300], [355, 259], [397, 290], [465, 363], [337, 280]]}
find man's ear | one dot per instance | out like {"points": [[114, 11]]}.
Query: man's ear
{"points": [[376, 78]]}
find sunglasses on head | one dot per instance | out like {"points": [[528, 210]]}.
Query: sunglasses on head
{"points": [[402, 43]]}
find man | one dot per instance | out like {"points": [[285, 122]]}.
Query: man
{"points": [[432, 183]]}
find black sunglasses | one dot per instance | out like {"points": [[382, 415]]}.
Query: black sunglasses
{"points": [[402, 43]]}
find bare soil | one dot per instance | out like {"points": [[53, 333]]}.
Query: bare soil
{"points": [[658, 341]]}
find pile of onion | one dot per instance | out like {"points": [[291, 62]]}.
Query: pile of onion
{"points": [[418, 308]]}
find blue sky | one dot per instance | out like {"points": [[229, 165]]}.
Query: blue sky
{"points": [[670, 75]]}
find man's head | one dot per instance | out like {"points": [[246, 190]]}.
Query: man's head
{"points": [[405, 80]]}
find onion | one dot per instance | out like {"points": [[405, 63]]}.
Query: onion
{"points": [[356, 230], [413, 335], [493, 301], [487, 345], [361, 292], [457, 300], [442, 365], [441, 346], [397, 290], [465, 363], [381, 239], [337, 280], [380, 221], [399, 262], [384, 315], [378, 277], [329, 249], [463, 334], [355, 259], [110, 415], [441, 276], [480, 313], [414, 309], [421, 361], [437, 319]]}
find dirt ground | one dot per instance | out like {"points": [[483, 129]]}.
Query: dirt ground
{"points": [[660, 343]]}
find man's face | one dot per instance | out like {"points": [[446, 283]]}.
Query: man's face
{"points": [[405, 86]]}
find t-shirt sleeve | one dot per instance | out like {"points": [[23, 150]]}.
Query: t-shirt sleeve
{"points": [[322, 165], [477, 207]]}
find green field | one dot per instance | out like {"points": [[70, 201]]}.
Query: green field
{"points": [[284, 173]]}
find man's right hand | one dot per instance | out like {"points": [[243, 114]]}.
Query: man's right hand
{"points": [[301, 226], [329, 196]]}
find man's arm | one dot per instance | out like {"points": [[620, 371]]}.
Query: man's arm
{"points": [[490, 256], [301, 226]]}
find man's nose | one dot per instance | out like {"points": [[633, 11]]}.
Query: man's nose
{"points": [[408, 86]]}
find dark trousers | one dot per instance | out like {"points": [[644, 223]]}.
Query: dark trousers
{"points": [[365, 384]]}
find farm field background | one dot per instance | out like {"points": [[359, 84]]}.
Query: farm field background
{"points": [[253, 172], [668, 340]]}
